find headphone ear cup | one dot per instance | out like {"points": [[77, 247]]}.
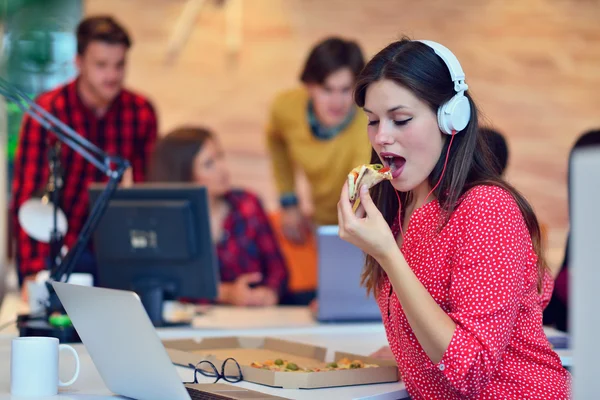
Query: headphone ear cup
{"points": [[443, 119], [455, 114]]}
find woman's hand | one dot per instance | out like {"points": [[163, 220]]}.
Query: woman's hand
{"points": [[263, 296], [241, 293], [366, 229]]}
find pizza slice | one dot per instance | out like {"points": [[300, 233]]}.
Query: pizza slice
{"points": [[369, 174], [280, 365], [277, 365], [345, 363]]}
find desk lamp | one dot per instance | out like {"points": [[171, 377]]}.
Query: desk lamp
{"points": [[112, 166]]}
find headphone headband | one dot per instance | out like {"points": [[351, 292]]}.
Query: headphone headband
{"points": [[456, 71], [455, 114]]}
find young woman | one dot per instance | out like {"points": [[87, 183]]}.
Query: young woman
{"points": [[453, 252], [253, 271], [317, 129]]}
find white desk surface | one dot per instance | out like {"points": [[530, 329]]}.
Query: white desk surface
{"points": [[90, 385], [291, 323]]}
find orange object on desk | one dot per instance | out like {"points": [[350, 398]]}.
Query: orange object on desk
{"points": [[301, 259]]}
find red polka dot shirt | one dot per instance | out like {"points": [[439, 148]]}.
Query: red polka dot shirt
{"points": [[481, 270]]}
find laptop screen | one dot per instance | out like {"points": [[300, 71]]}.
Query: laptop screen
{"points": [[340, 295]]}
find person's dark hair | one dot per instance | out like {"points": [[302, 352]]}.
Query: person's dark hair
{"points": [[329, 56], [498, 147], [100, 28], [587, 139], [416, 67], [173, 156]]}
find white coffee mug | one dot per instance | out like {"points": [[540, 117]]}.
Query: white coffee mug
{"points": [[34, 366]]}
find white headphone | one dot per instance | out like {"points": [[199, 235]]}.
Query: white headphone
{"points": [[455, 114]]}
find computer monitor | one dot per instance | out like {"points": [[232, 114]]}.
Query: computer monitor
{"points": [[584, 271], [155, 239]]}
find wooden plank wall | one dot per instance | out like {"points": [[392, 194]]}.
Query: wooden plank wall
{"points": [[533, 66]]}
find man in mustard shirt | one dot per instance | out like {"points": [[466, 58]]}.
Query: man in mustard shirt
{"points": [[318, 129]]}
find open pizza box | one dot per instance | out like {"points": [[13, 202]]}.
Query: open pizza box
{"points": [[246, 350]]}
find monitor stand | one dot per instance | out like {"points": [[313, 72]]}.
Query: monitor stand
{"points": [[152, 294]]}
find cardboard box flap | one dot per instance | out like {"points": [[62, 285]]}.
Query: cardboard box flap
{"points": [[229, 343], [292, 380], [299, 349], [209, 343], [183, 344], [285, 346], [181, 357], [368, 360]]}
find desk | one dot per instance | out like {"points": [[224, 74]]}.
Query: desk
{"points": [[91, 386], [291, 323]]}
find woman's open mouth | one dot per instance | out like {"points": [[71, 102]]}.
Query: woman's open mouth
{"points": [[395, 162]]}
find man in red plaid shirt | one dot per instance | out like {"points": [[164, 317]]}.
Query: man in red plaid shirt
{"points": [[96, 106]]}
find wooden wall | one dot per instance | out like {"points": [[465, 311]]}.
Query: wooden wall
{"points": [[533, 66]]}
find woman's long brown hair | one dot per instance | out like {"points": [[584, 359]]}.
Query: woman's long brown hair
{"points": [[173, 156], [416, 67]]}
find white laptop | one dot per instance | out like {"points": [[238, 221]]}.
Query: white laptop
{"points": [[132, 361], [341, 297]]}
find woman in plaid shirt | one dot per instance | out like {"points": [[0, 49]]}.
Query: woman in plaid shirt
{"points": [[252, 268]]}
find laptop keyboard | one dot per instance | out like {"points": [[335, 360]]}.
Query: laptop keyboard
{"points": [[196, 394]]}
